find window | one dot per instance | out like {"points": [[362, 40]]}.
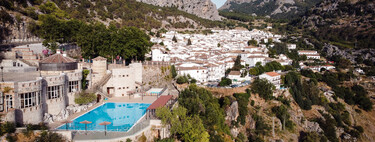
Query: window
{"points": [[73, 86], [29, 99], [9, 101], [54, 91]]}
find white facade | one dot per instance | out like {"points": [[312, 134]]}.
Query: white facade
{"points": [[291, 46], [159, 55], [252, 60], [310, 54], [272, 77], [198, 73]]}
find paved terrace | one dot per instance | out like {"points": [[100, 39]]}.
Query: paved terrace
{"points": [[146, 99]]}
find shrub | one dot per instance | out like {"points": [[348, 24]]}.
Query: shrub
{"points": [[84, 98], [225, 81], [8, 127], [182, 80], [359, 129], [49, 137], [40, 126]]}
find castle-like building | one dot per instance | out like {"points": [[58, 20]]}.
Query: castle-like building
{"points": [[28, 93]]}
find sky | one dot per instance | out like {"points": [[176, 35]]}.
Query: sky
{"points": [[219, 3]]}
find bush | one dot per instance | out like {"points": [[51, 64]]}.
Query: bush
{"points": [[225, 81], [49, 137], [40, 126], [182, 80], [84, 98], [8, 127], [359, 129]]}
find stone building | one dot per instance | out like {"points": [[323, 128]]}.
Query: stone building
{"points": [[27, 97], [116, 80]]}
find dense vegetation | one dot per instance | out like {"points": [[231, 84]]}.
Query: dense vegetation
{"points": [[200, 102], [353, 30], [185, 127], [94, 39], [270, 66], [125, 12], [243, 101], [262, 87], [352, 95], [305, 93]]}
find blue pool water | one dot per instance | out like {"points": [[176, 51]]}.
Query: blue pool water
{"points": [[121, 115]]}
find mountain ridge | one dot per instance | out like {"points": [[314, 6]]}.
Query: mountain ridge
{"points": [[279, 9], [206, 10]]}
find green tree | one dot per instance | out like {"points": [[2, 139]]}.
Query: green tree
{"points": [[173, 71], [199, 101], [237, 64], [252, 42], [225, 81], [185, 127], [263, 88]]}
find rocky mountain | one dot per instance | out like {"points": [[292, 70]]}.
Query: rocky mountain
{"points": [[344, 23], [16, 16], [279, 9], [202, 8]]}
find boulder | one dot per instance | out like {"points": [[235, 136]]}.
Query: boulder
{"points": [[234, 132], [312, 127], [232, 112]]}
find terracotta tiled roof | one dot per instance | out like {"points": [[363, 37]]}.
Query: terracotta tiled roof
{"points": [[57, 58], [307, 51], [235, 73], [160, 102], [272, 74]]}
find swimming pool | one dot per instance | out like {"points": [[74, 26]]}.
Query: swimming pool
{"points": [[121, 115]]}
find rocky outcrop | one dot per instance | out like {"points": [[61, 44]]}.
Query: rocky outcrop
{"points": [[312, 127], [350, 54], [232, 112], [64, 114], [275, 9], [202, 8]]}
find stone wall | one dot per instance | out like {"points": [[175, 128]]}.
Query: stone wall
{"points": [[31, 115]]}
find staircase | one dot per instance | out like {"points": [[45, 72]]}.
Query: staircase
{"points": [[27, 62], [97, 87]]}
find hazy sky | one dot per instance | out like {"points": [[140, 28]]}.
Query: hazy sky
{"points": [[219, 3]]}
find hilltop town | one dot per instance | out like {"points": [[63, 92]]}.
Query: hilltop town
{"points": [[170, 71]]}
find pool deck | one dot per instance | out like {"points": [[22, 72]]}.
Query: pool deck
{"points": [[146, 99]]}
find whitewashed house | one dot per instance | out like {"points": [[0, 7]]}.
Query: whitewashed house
{"points": [[234, 75], [160, 55], [310, 54], [272, 77], [196, 72], [291, 46]]}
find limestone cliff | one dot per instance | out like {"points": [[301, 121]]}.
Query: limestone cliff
{"points": [[202, 8], [273, 8]]}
